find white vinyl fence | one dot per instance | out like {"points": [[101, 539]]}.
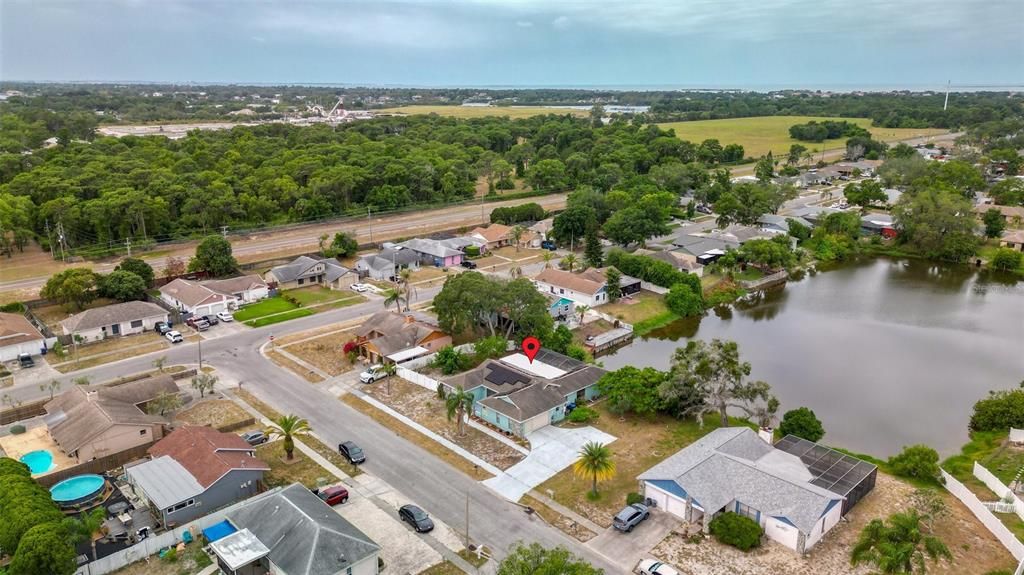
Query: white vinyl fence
{"points": [[987, 518], [653, 288], [1016, 435], [1002, 491]]}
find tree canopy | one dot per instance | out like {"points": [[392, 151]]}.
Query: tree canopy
{"points": [[213, 255], [534, 559]]}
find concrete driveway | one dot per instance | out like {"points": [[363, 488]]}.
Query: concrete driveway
{"points": [[627, 549], [552, 449]]}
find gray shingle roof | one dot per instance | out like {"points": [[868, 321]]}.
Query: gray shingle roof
{"points": [[305, 536], [300, 266], [732, 463], [111, 314], [430, 247]]}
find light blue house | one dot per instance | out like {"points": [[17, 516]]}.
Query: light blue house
{"points": [[519, 396]]}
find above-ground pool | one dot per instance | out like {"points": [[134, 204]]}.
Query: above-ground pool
{"points": [[78, 489], [39, 461]]}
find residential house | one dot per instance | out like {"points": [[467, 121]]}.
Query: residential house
{"points": [[194, 471], [398, 337], [519, 396], [865, 168], [796, 490], [18, 336], [930, 153], [627, 284], [581, 290], [776, 224], [90, 423], [812, 214], [306, 271], [878, 224], [1013, 239], [194, 298], [496, 235], [1014, 214], [117, 319], [244, 289], [434, 252], [384, 265], [680, 260], [291, 531], [560, 308], [542, 230], [462, 242]]}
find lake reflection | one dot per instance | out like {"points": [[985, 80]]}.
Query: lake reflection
{"points": [[886, 352]]}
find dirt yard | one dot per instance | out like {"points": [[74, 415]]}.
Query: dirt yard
{"points": [[281, 360], [423, 407], [325, 352], [215, 413], [974, 550]]}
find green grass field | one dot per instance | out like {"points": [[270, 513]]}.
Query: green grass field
{"points": [[481, 111], [262, 308], [760, 134], [294, 314]]}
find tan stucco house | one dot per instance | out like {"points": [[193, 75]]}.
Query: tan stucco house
{"points": [[397, 337]]}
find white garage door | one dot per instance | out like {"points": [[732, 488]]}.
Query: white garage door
{"points": [[656, 494]]}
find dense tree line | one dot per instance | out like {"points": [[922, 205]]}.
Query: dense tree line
{"points": [[511, 215], [828, 130]]}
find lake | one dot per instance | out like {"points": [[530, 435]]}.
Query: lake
{"points": [[886, 352]]}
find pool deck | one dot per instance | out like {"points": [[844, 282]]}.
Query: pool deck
{"points": [[32, 440]]}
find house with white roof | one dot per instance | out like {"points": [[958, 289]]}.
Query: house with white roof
{"points": [[796, 490]]}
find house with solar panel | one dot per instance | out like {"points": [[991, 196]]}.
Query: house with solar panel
{"points": [[519, 396], [796, 490]]}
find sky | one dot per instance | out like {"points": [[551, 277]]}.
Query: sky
{"points": [[643, 43]]}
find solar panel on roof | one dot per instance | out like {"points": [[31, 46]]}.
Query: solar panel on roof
{"points": [[501, 375]]}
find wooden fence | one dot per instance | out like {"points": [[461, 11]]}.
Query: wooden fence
{"points": [[97, 466], [237, 425]]}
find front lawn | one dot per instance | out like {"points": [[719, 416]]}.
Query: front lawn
{"points": [[641, 444], [324, 352], [263, 308], [216, 413], [302, 469], [278, 318], [315, 294]]}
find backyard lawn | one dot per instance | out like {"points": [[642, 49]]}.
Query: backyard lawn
{"points": [[761, 134], [640, 445], [216, 413]]}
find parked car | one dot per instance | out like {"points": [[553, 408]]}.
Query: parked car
{"points": [[174, 336], [25, 361], [352, 452], [548, 245], [225, 317], [333, 495], [162, 327], [211, 319], [469, 265], [255, 437], [372, 374], [359, 287], [703, 209], [416, 517], [198, 323], [630, 517], [652, 567]]}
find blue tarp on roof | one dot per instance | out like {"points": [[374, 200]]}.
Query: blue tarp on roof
{"points": [[218, 531]]}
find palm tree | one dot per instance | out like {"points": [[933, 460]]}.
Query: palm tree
{"points": [[86, 527], [389, 369], [595, 463], [393, 296], [404, 280], [515, 272], [289, 427], [569, 261], [582, 311], [517, 234], [547, 257], [899, 547], [458, 402]]}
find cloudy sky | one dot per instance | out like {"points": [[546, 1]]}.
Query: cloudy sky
{"points": [[727, 43]]}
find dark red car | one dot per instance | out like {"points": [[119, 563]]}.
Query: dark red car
{"points": [[333, 495]]}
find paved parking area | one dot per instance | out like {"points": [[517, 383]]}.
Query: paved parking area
{"points": [[552, 449], [627, 549], [402, 550], [224, 329]]}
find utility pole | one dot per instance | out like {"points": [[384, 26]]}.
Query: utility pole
{"points": [[946, 103], [60, 238], [467, 521], [224, 231], [200, 348], [128, 245], [369, 223]]}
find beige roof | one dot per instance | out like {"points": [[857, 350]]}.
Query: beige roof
{"points": [[77, 415], [1008, 211], [569, 280], [191, 294], [232, 286], [1013, 237], [543, 226], [15, 328], [493, 232], [111, 314], [391, 332]]}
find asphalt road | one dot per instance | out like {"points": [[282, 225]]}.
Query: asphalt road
{"points": [[304, 239], [429, 482]]}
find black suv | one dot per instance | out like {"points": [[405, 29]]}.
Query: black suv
{"points": [[352, 452], [162, 327], [25, 361], [416, 517], [469, 265]]}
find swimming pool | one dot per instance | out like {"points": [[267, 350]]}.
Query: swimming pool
{"points": [[77, 489], [39, 461]]}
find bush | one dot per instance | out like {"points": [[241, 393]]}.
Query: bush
{"points": [[634, 497], [582, 414], [916, 462], [1006, 259], [449, 360], [579, 353], [472, 251], [13, 307], [171, 556], [649, 269], [683, 301], [17, 429], [741, 532], [490, 347], [349, 347], [1000, 411], [802, 422]]}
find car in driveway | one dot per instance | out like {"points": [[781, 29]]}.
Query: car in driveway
{"points": [[548, 245], [198, 323], [174, 336], [225, 317], [416, 517], [211, 319], [372, 374], [162, 327], [630, 517], [654, 567], [255, 437], [469, 265], [25, 361], [352, 452], [332, 495], [359, 288]]}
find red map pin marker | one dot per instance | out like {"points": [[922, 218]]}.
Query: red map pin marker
{"points": [[531, 346]]}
